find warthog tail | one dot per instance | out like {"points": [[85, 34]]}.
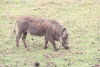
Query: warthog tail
{"points": [[14, 31]]}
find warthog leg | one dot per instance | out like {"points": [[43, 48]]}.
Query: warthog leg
{"points": [[46, 42], [17, 38], [23, 38], [53, 43]]}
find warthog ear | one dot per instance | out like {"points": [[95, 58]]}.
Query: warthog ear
{"points": [[63, 30]]}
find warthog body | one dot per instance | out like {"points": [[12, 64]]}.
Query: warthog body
{"points": [[51, 29]]}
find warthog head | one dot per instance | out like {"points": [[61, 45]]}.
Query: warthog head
{"points": [[63, 38]]}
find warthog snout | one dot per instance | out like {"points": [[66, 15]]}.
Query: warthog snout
{"points": [[67, 48]]}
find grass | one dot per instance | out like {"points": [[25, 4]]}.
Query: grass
{"points": [[80, 17]]}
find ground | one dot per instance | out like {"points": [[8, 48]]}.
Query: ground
{"points": [[80, 17]]}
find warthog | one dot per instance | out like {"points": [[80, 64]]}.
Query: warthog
{"points": [[51, 29]]}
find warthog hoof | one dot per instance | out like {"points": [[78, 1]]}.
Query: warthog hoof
{"points": [[44, 47], [25, 46], [56, 50], [17, 45]]}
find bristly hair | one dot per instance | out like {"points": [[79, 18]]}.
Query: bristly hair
{"points": [[44, 24]]}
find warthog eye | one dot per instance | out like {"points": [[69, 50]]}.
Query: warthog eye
{"points": [[66, 43], [67, 35]]}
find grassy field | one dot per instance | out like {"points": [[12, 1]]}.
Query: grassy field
{"points": [[80, 17]]}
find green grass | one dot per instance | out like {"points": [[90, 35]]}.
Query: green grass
{"points": [[81, 18]]}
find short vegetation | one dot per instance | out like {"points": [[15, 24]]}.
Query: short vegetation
{"points": [[80, 17]]}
